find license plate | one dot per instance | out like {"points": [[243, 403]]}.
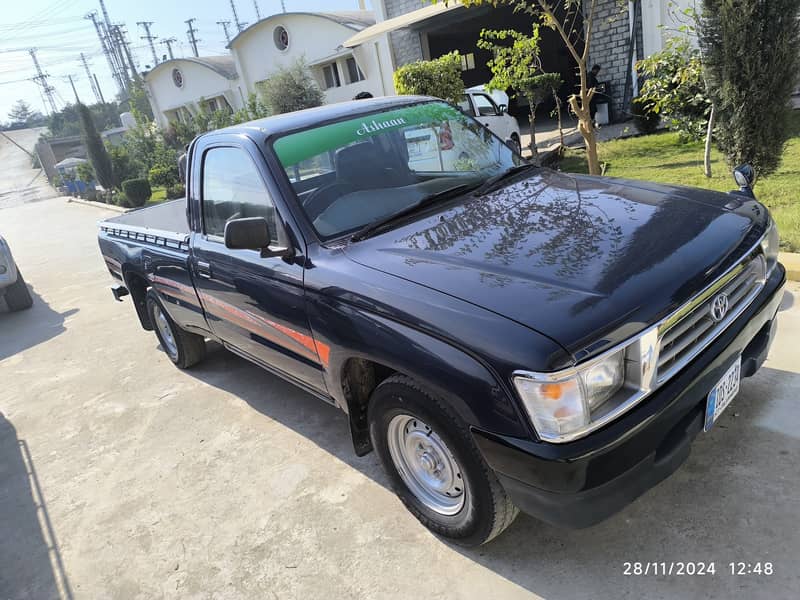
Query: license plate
{"points": [[723, 393]]}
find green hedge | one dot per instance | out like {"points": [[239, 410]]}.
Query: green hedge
{"points": [[137, 191], [440, 78]]}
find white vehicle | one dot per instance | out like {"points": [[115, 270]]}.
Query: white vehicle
{"points": [[482, 106], [12, 285]]}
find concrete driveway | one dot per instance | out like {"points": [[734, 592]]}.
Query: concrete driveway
{"points": [[122, 477], [20, 183]]}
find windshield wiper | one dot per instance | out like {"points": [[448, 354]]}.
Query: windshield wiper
{"points": [[490, 184], [387, 222]]}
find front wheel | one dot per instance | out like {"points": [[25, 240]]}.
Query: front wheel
{"points": [[185, 349], [435, 466]]}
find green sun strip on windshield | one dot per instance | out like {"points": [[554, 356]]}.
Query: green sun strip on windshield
{"points": [[297, 147]]}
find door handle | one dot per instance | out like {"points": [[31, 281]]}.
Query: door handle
{"points": [[204, 269]]}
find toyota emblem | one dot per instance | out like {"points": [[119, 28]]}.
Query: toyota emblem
{"points": [[719, 307]]}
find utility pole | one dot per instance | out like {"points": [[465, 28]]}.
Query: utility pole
{"points": [[74, 91], [239, 25], [192, 40], [105, 45], [283, 6], [225, 29], [91, 79], [97, 87], [149, 37], [168, 43], [41, 79], [258, 12], [125, 50]]}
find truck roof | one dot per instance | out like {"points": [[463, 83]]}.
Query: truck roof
{"points": [[279, 124]]}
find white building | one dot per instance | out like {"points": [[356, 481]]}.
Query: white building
{"points": [[177, 87], [661, 19], [341, 72]]}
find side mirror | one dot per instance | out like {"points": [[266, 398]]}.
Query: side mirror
{"points": [[502, 109], [745, 176], [252, 233]]}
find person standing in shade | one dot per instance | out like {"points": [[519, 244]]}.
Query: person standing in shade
{"points": [[591, 82]]}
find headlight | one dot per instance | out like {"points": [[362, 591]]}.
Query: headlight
{"points": [[563, 406], [770, 244], [569, 404]]}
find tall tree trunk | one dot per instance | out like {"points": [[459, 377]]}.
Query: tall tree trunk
{"points": [[580, 106], [707, 155], [534, 150], [560, 125]]}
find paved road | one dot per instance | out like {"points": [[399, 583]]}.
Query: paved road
{"points": [[122, 477], [19, 182]]}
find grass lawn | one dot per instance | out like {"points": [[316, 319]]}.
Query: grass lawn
{"points": [[159, 195], [661, 157]]}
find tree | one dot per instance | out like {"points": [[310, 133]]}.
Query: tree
{"points": [[20, 112], [95, 149], [291, 88], [67, 121], [751, 60], [563, 17], [440, 78], [22, 115]]}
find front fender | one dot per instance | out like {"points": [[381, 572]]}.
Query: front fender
{"points": [[474, 391]]}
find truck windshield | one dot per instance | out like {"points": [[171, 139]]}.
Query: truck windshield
{"points": [[354, 172]]}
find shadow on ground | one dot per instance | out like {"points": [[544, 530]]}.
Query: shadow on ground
{"points": [[30, 561], [731, 501], [27, 328]]}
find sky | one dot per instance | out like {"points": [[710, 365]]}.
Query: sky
{"points": [[59, 31]]}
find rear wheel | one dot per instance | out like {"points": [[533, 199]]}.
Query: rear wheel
{"points": [[18, 296], [185, 349], [434, 465]]}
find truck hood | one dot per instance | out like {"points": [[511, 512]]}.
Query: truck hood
{"points": [[585, 261]]}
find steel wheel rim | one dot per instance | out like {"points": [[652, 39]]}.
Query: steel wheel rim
{"points": [[426, 465], [165, 330]]}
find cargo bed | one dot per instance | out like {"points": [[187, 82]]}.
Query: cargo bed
{"points": [[164, 225]]}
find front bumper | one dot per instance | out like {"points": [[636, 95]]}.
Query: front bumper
{"points": [[583, 482]]}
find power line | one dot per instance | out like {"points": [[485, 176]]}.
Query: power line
{"points": [[192, 39], [149, 38], [258, 12]]}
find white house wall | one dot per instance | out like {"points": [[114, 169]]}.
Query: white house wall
{"points": [[313, 38], [199, 82], [661, 19]]}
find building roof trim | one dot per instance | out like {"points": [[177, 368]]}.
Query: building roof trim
{"points": [[222, 65], [356, 20]]}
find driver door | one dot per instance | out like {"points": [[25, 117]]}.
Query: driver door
{"points": [[255, 305]]}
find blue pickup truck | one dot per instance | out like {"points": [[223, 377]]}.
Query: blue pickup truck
{"points": [[504, 336]]}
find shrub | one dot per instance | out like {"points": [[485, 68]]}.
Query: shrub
{"points": [[291, 88], [176, 191], [440, 78], [674, 88], [85, 172], [137, 191], [645, 119]]}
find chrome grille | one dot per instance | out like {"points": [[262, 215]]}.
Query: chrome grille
{"points": [[692, 328]]}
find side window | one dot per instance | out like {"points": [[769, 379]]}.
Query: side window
{"points": [[484, 105], [232, 189], [465, 106]]}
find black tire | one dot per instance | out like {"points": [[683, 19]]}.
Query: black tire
{"points": [[18, 296], [188, 348], [486, 510]]}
